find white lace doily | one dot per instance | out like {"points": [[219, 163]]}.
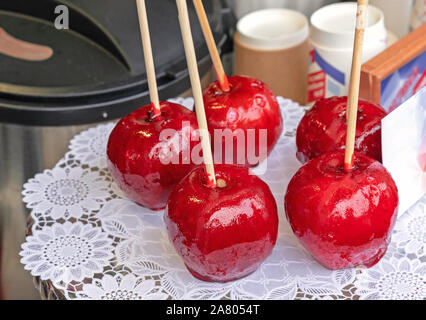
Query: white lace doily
{"points": [[87, 241]]}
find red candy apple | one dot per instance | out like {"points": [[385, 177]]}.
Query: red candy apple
{"points": [[145, 164], [249, 104], [323, 129], [226, 232], [342, 219]]}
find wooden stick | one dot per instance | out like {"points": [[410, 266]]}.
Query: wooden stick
{"points": [[196, 90], [147, 52], [352, 104], [211, 44]]}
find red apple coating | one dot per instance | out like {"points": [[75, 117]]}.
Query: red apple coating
{"points": [[323, 129], [135, 153], [249, 104], [222, 233], [343, 219]]}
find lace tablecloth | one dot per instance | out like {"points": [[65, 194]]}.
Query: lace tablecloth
{"points": [[87, 241]]}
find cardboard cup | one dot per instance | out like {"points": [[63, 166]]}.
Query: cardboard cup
{"points": [[272, 45]]}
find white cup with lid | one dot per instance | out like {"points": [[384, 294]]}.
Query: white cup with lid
{"points": [[332, 38]]}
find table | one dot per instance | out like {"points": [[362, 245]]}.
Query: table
{"points": [[87, 241]]}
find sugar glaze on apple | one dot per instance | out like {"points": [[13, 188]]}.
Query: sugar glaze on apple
{"points": [[136, 153], [343, 219], [249, 104], [222, 233], [323, 129]]}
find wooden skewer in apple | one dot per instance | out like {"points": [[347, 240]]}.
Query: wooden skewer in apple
{"points": [[149, 60], [342, 205], [352, 104], [246, 104], [197, 91], [221, 220], [145, 165]]}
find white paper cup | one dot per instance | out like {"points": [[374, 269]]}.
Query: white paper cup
{"points": [[332, 38], [272, 45]]}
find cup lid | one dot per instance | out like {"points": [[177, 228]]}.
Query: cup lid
{"points": [[273, 29]]}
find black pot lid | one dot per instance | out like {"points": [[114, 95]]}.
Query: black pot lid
{"points": [[94, 70]]}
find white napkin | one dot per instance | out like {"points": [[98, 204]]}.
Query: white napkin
{"points": [[404, 149]]}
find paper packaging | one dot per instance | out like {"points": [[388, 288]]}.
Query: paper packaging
{"points": [[397, 73], [404, 149]]}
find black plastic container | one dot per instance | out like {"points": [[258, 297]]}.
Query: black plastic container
{"points": [[97, 70]]}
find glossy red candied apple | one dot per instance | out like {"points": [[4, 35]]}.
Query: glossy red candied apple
{"points": [[323, 129], [343, 219], [145, 167], [222, 233], [249, 104]]}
